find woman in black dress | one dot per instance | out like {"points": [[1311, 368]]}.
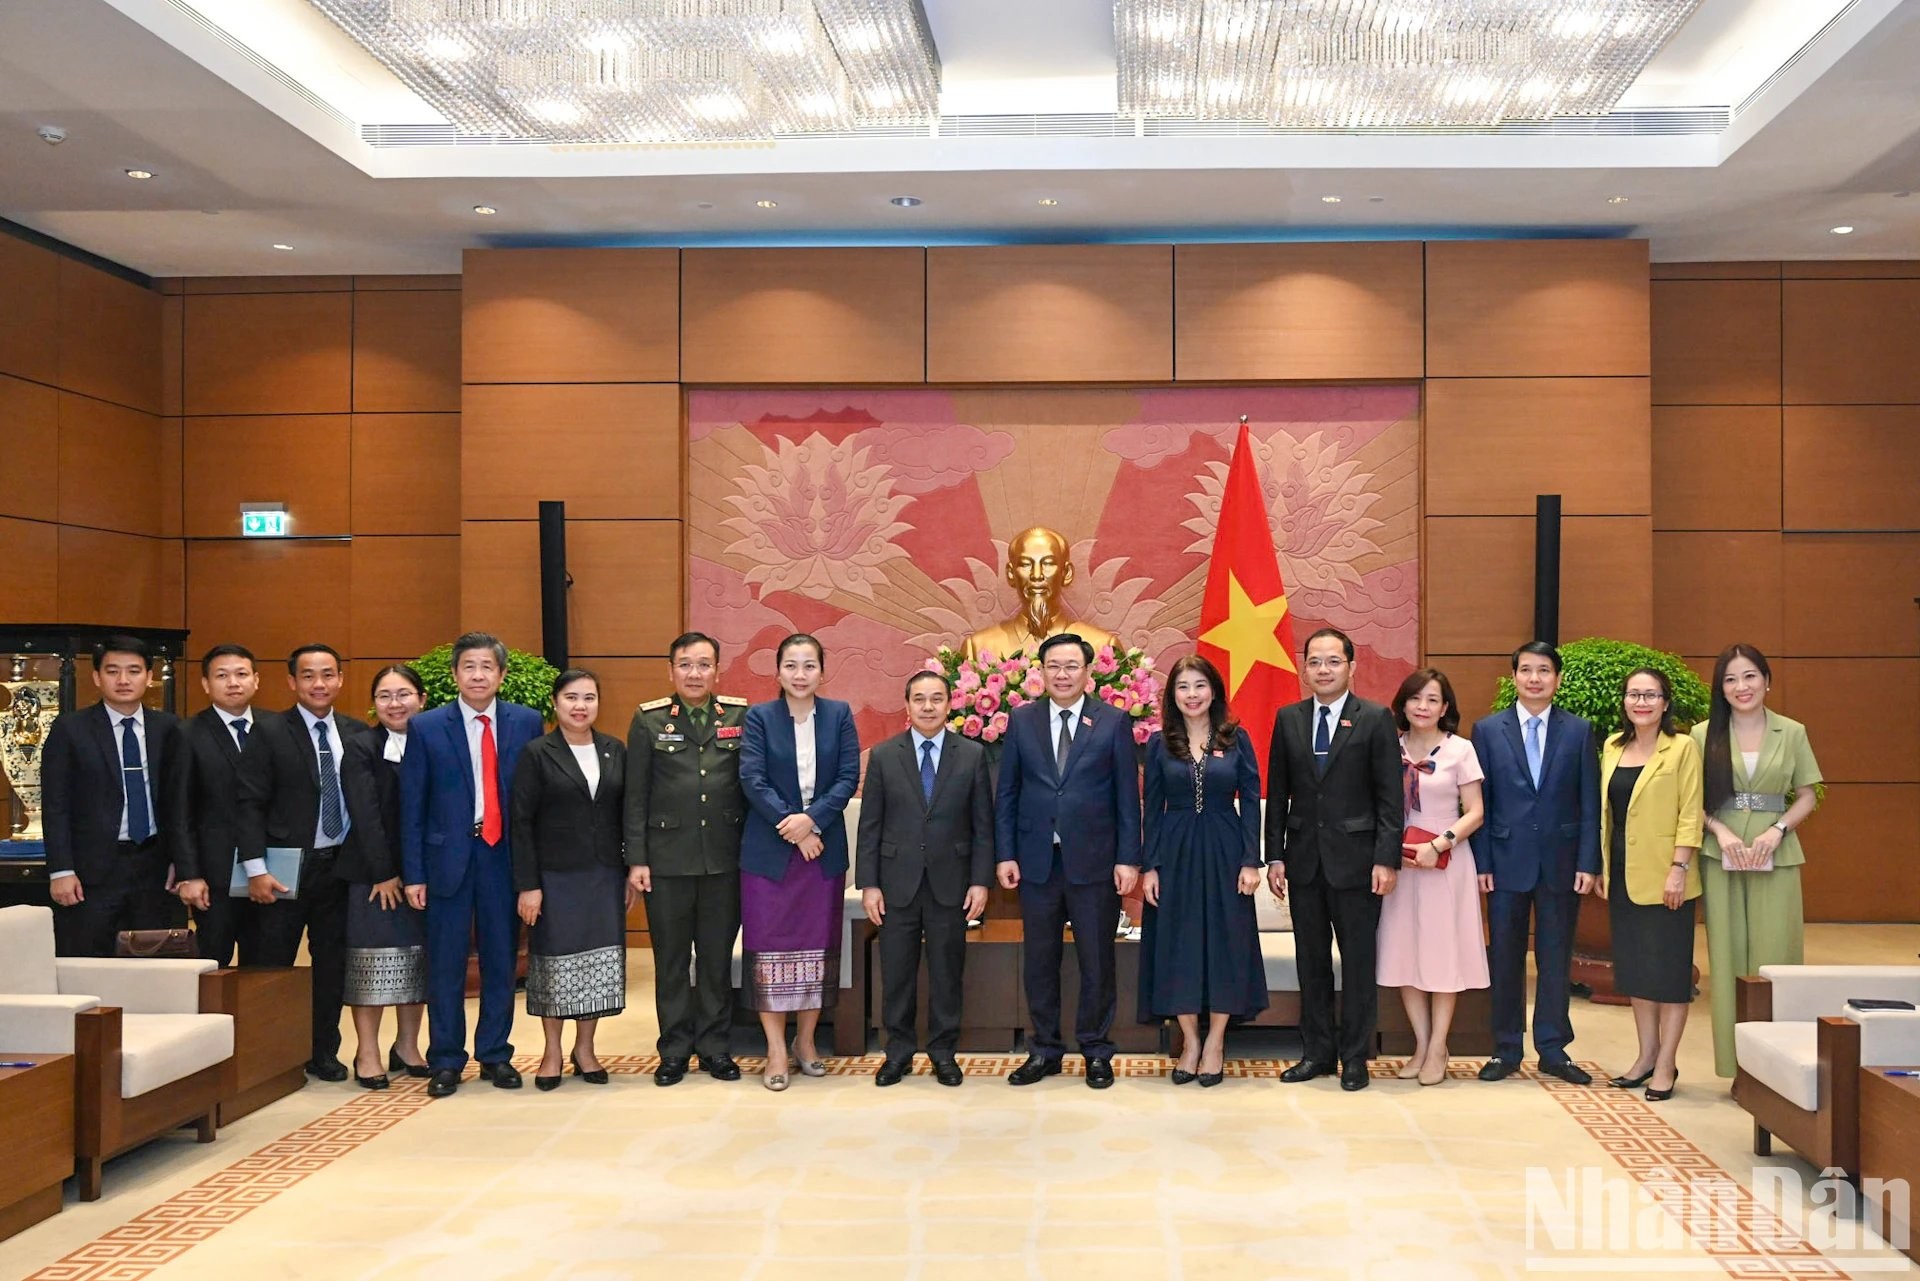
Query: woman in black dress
{"points": [[1200, 944], [386, 939], [570, 870]]}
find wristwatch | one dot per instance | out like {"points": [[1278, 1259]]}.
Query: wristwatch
{"points": [[1451, 839], [1780, 826]]}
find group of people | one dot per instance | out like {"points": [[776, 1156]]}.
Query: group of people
{"points": [[401, 849]]}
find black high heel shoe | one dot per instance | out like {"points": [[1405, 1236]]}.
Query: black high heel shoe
{"points": [[397, 1064], [371, 1082], [1661, 1096], [1182, 1076], [1631, 1082], [548, 1082], [596, 1077]]}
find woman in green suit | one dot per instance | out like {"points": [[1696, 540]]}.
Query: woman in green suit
{"points": [[1650, 829], [1759, 772]]}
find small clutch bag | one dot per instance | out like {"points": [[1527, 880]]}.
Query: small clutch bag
{"points": [[1413, 839]]}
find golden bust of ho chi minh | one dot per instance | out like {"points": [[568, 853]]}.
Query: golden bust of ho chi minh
{"points": [[1039, 568]]}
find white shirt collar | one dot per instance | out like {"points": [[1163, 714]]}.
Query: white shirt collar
{"points": [[1078, 708], [228, 720], [1334, 708], [1526, 716], [491, 711], [139, 715], [313, 720], [938, 739]]}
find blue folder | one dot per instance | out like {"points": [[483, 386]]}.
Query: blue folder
{"points": [[284, 865]]}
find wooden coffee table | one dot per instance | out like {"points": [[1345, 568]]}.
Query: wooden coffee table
{"points": [[1890, 1147], [37, 1103]]}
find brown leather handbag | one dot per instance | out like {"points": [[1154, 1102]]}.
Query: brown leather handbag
{"points": [[179, 943]]}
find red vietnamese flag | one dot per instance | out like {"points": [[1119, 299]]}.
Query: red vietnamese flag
{"points": [[1245, 629]]}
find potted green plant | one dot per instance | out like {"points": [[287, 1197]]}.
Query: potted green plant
{"points": [[529, 679]]}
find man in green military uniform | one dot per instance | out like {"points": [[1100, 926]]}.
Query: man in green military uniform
{"points": [[684, 809]]}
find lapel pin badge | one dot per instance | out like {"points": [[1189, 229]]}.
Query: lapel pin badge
{"points": [[1086, 720], [1346, 724], [669, 729]]}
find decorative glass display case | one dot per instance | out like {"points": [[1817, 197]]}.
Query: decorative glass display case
{"points": [[46, 669]]}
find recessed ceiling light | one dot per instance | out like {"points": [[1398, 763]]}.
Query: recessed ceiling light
{"points": [[1329, 200], [485, 210], [905, 202], [1843, 230], [139, 175], [285, 249], [768, 204], [1617, 200], [1048, 201]]}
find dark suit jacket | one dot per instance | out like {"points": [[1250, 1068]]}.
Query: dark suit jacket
{"points": [[1095, 808], [371, 783], [903, 839], [214, 770], [1543, 834], [770, 777], [1348, 821], [558, 825], [278, 802], [82, 794], [436, 791]]}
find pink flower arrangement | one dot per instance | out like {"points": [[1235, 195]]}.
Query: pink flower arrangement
{"points": [[986, 688]]}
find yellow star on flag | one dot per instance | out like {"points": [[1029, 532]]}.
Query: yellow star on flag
{"points": [[1247, 634]]}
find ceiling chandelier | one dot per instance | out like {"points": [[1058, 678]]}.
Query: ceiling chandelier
{"points": [[654, 71], [1385, 64]]}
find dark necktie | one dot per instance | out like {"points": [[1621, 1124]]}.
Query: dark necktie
{"points": [[133, 778], [926, 772], [332, 821], [1066, 741], [1322, 739], [240, 733]]}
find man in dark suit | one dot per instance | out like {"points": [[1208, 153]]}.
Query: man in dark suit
{"points": [[288, 796], [455, 780], [203, 872], [1067, 827], [114, 785], [922, 865], [684, 809], [1335, 819], [1541, 847]]}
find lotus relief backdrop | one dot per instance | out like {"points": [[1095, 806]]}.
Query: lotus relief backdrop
{"points": [[879, 520]]}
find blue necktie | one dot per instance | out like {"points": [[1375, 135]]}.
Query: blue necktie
{"points": [[240, 734], [331, 824], [133, 778], [1533, 750], [1322, 740], [926, 772]]}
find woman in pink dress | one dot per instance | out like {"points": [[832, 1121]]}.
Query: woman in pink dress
{"points": [[1431, 943]]}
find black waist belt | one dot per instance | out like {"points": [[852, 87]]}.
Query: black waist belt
{"points": [[325, 851], [137, 847]]}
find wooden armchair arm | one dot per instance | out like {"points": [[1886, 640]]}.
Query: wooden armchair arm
{"points": [[1839, 1058], [1752, 999], [96, 1085]]}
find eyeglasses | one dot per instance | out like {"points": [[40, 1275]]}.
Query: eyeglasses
{"points": [[1065, 669], [1325, 664], [1645, 696], [691, 668], [395, 696]]}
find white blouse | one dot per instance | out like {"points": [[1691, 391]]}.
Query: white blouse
{"points": [[1752, 761], [804, 758], [589, 765], [396, 746]]}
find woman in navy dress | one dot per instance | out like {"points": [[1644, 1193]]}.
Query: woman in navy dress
{"points": [[1200, 944]]}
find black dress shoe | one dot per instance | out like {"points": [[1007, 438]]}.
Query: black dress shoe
{"points": [[327, 1069], [720, 1067], [548, 1082], [443, 1083], [670, 1072], [1661, 1096], [1306, 1070], [892, 1071], [1353, 1076], [503, 1075], [1033, 1069], [1099, 1073], [596, 1077], [1499, 1069], [371, 1082], [948, 1072], [1567, 1070], [397, 1064]]}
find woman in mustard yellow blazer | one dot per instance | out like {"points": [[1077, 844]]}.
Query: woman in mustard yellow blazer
{"points": [[1650, 827]]}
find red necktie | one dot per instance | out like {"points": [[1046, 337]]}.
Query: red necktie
{"points": [[489, 784]]}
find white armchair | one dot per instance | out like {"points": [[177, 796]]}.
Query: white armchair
{"points": [[1799, 1047], [147, 1059]]}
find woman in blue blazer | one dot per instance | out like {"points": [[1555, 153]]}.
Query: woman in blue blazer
{"points": [[799, 765]]}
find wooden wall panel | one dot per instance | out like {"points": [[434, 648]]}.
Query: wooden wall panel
{"points": [[270, 595], [29, 476], [367, 284], [406, 351], [30, 554], [406, 477], [1540, 308], [173, 354], [300, 460], [1859, 714], [1715, 271], [269, 354], [109, 466], [1862, 846], [627, 576], [1050, 313], [1479, 581], [803, 315], [500, 580], [1852, 594], [571, 315], [29, 310], [1712, 589], [1349, 310], [112, 579], [109, 337], [406, 594], [1587, 439], [1475, 679], [266, 284], [1716, 467], [1852, 466], [1716, 342], [625, 683], [608, 451], [1852, 342], [1851, 269]]}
